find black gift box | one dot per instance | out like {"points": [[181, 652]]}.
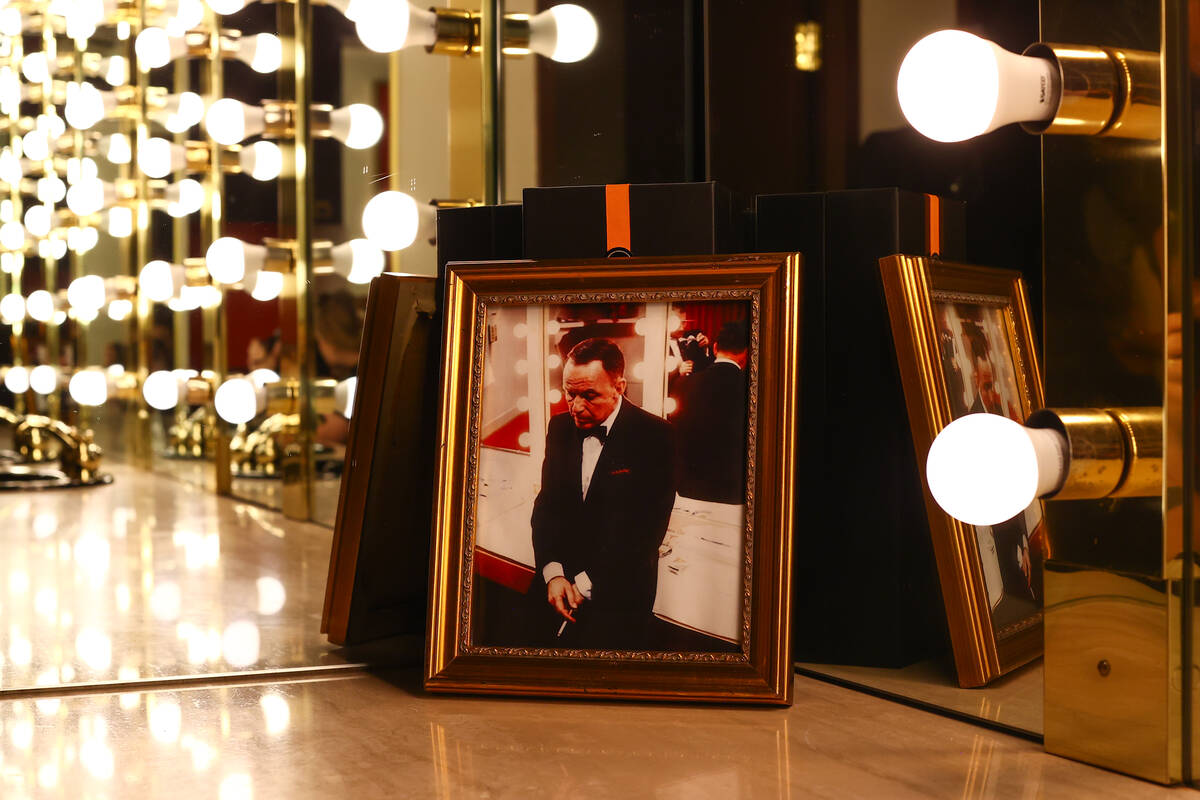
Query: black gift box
{"points": [[477, 233], [649, 219], [865, 582]]}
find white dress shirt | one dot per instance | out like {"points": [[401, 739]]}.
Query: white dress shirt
{"points": [[592, 448]]}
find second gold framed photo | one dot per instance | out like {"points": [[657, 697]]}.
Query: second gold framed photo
{"points": [[614, 507], [964, 344]]}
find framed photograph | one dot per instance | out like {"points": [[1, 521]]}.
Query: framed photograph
{"points": [[965, 346], [615, 480]]}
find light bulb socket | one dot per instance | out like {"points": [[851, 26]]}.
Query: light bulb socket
{"points": [[1102, 91], [1111, 452], [459, 33]]}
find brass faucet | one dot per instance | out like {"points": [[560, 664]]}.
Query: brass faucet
{"points": [[78, 455]]}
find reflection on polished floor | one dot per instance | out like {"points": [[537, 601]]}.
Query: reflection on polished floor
{"points": [[152, 578]]}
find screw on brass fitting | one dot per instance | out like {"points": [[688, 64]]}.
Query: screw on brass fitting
{"points": [[1111, 452], [1103, 91]]}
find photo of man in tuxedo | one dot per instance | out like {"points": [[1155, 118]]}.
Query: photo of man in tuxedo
{"points": [[607, 491]]}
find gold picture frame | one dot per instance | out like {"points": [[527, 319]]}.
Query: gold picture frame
{"points": [[964, 343], [760, 669]]}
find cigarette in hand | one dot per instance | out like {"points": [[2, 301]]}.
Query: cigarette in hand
{"points": [[561, 628]]}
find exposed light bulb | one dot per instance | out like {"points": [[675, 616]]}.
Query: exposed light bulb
{"points": [[181, 111], [267, 285], [12, 308], [358, 260], [226, 6], [230, 260], [158, 158], [89, 387], [10, 21], [40, 305], [184, 197], [51, 189], [158, 280], [1021, 465], [43, 379], [117, 148], [87, 197], [236, 401], [36, 144], [115, 70], [162, 390], [35, 68], [11, 170], [118, 221], [262, 160], [120, 309], [86, 105], [564, 33], [389, 25], [262, 376], [156, 48], [262, 51], [189, 14], [394, 220], [230, 121], [82, 169], [39, 220], [86, 292], [954, 86], [358, 126], [16, 380], [56, 248], [12, 236]]}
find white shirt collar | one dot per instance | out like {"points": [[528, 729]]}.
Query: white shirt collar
{"points": [[724, 360]]}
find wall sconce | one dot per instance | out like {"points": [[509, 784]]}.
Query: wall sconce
{"points": [[954, 86]]}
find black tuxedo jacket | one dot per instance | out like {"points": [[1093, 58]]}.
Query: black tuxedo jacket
{"points": [[711, 431], [615, 534]]}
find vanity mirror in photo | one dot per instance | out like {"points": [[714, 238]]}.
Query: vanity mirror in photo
{"points": [[619, 443]]}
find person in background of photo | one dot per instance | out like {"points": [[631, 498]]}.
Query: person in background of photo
{"points": [[606, 496], [710, 423]]}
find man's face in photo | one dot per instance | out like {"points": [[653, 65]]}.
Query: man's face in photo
{"points": [[590, 393]]}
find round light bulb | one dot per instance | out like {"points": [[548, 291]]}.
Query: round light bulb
{"points": [[158, 158], [189, 14], [184, 197], [262, 160], [86, 105], [51, 190], [262, 376], [565, 33], [390, 220], [39, 220], [226, 6], [116, 70], [119, 221], [182, 111], [35, 68], [10, 21], [88, 197], [230, 121], [86, 293], [953, 86], [263, 52], [36, 144], [984, 469], [12, 235], [155, 48], [117, 149], [43, 379], [358, 260], [16, 380], [40, 305], [358, 126], [267, 285], [88, 387], [385, 26], [230, 260], [120, 309], [12, 308], [158, 279], [236, 400], [162, 390]]}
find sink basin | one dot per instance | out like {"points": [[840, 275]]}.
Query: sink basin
{"points": [[15, 476]]}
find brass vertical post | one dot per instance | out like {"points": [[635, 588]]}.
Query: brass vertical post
{"points": [[393, 141], [134, 255], [491, 35]]}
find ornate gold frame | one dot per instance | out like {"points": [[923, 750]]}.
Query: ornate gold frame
{"points": [[911, 285], [762, 672]]}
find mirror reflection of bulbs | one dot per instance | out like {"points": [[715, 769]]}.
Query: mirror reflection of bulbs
{"points": [[11, 168], [262, 160], [35, 67], [120, 309], [226, 6], [36, 144], [115, 70], [564, 33], [388, 25], [953, 86], [11, 21], [266, 286], [181, 111], [229, 260], [184, 197], [16, 380], [358, 260], [89, 387], [88, 197], [12, 308], [230, 121], [262, 51], [159, 280], [118, 221], [86, 292], [262, 376], [116, 148], [40, 305], [39, 220], [155, 48], [1022, 465], [86, 105], [12, 235], [393, 220], [82, 169], [43, 379], [358, 126], [236, 401], [188, 14], [51, 189], [162, 390], [158, 158]]}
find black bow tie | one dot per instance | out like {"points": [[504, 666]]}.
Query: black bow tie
{"points": [[599, 431]]}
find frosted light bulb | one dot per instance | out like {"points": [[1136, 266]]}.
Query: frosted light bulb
{"points": [[88, 387], [236, 400], [358, 260], [229, 260], [39, 220], [1020, 465], [226, 6], [10, 21], [118, 221], [36, 145], [159, 279], [12, 236], [565, 33], [57, 248], [82, 169], [115, 70], [954, 86], [35, 68], [262, 160], [16, 380], [11, 170], [155, 48], [40, 305], [43, 379], [393, 220], [120, 309], [358, 126], [262, 51], [343, 396], [184, 197], [86, 292], [188, 14], [117, 148], [51, 190], [188, 299], [267, 285], [86, 105], [12, 308], [229, 121], [182, 111], [87, 197], [162, 390], [262, 376], [158, 158], [389, 25]]}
